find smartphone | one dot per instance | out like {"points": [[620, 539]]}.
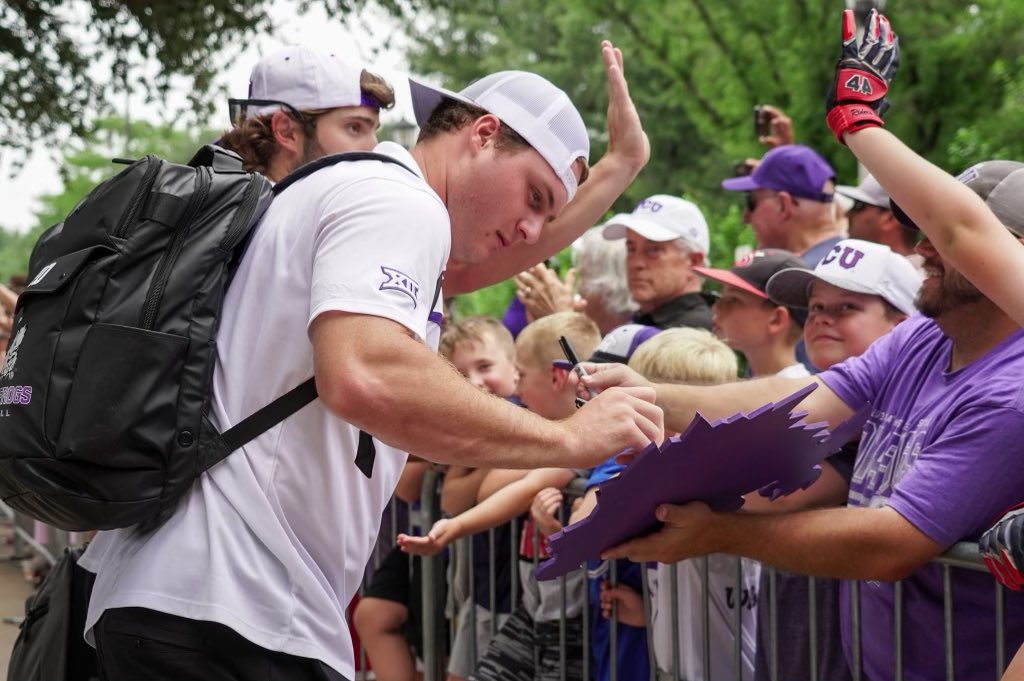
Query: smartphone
{"points": [[762, 122]]}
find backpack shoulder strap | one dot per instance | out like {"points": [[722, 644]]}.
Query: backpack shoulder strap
{"points": [[284, 406], [269, 416], [331, 159], [298, 397]]}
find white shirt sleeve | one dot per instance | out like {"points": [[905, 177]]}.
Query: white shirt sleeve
{"points": [[380, 248]]}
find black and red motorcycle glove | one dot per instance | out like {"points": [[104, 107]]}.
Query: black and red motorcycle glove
{"points": [[1002, 548], [857, 97]]}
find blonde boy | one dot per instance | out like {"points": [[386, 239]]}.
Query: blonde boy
{"points": [[506, 494], [696, 357], [483, 351]]}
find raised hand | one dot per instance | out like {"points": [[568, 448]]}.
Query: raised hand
{"points": [[626, 136], [857, 97], [781, 127]]}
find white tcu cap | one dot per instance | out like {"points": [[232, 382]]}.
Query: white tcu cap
{"points": [[852, 265], [305, 79], [529, 104], [663, 218]]}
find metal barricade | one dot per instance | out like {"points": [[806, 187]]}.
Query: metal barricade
{"points": [[961, 556]]}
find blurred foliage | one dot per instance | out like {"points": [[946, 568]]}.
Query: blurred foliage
{"points": [[696, 68], [85, 163], [50, 85]]}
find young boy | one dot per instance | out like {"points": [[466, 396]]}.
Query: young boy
{"points": [[766, 333], [691, 356], [482, 349], [532, 631]]}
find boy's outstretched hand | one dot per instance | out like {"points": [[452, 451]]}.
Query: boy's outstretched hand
{"points": [[441, 534], [857, 97]]}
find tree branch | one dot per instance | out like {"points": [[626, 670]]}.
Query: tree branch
{"points": [[716, 37], [657, 60]]}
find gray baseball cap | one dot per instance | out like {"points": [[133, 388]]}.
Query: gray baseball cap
{"points": [[1000, 184]]}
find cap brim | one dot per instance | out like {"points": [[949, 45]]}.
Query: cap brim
{"points": [[902, 217], [425, 99], [791, 287], [743, 183], [857, 195], [617, 227], [727, 277]]}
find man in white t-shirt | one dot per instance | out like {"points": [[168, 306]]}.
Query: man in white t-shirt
{"points": [[304, 103], [251, 576]]}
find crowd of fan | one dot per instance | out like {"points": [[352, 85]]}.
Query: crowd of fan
{"points": [[841, 289], [833, 271]]}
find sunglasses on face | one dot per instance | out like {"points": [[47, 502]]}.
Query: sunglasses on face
{"points": [[751, 202]]}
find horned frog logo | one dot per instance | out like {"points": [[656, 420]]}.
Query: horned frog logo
{"points": [[7, 372]]}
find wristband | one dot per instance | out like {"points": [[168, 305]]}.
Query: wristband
{"points": [[851, 117]]}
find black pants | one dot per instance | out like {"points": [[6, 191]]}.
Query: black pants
{"points": [[139, 644]]}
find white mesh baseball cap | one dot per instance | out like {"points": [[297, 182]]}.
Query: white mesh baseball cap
{"points": [[852, 265], [529, 104], [663, 218], [304, 78]]}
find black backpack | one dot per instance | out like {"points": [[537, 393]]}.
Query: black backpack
{"points": [[105, 390]]}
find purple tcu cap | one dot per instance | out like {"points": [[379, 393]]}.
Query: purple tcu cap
{"points": [[792, 168]]}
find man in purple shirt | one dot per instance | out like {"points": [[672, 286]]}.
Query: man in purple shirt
{"points": [[939, 459]]}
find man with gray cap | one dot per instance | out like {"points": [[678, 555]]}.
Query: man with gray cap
{"points": [[789, 202], [251, 576], [872, 220], [666, 236]]}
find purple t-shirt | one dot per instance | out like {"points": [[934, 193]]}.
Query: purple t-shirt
{"points": [[943, 449]]}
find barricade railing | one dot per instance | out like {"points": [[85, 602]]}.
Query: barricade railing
{"points": [[47, 543], [962, 556]]}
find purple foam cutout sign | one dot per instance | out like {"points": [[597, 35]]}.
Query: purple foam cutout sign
{"points": [[770, 449]]}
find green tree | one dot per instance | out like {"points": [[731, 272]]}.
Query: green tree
{"points": [[696, 68], [85, 163], [49, 48]]}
